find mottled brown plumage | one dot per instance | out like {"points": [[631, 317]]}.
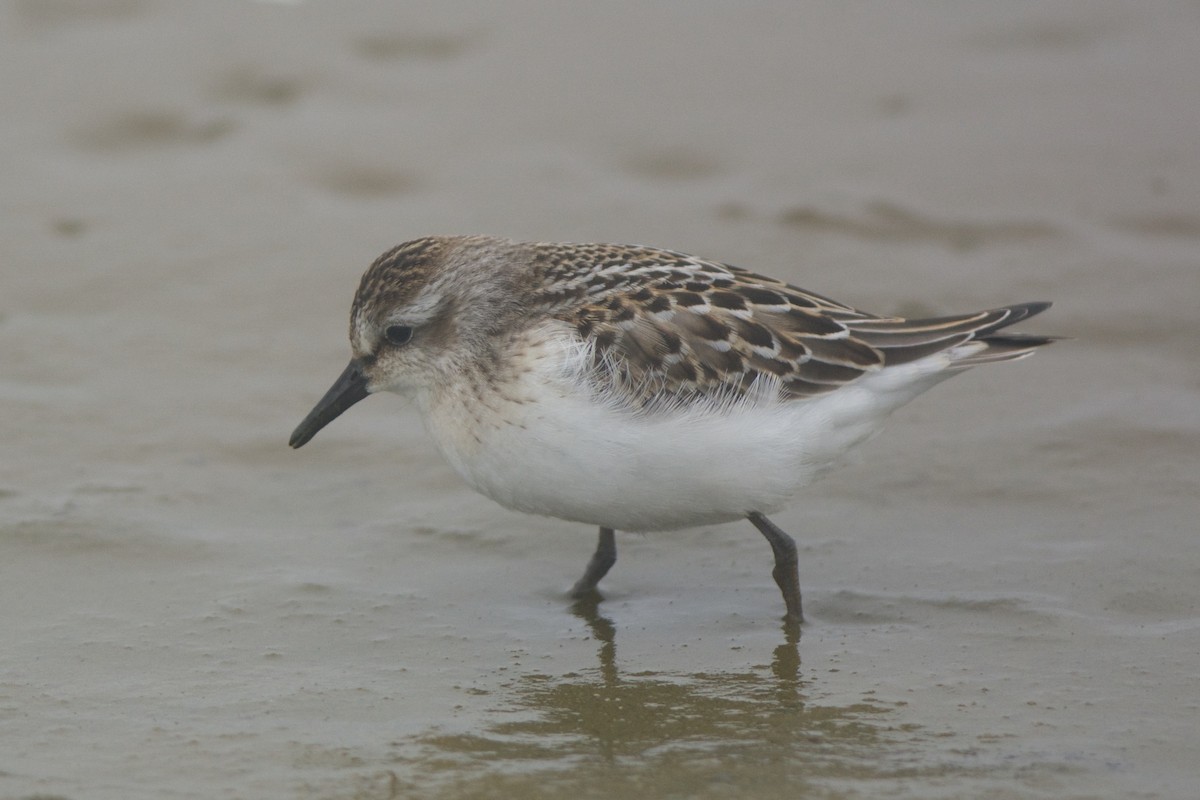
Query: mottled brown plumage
{"points": [[667, 327]]}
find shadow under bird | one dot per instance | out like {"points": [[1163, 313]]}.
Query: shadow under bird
{"points": [[640, 389]]}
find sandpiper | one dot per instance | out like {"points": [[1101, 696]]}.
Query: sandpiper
{"points": [[640, 389]]}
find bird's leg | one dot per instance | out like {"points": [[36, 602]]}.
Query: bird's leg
{"points": [[787, 571], [602, 560]]}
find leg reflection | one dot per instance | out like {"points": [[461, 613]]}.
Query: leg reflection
{"points": [[587, 608], [785, 664]]}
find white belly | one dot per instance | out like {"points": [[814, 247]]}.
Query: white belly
{"points": [[545, 446], [576, 461]]}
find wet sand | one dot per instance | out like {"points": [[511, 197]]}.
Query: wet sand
{"points": [[1002, 593]]}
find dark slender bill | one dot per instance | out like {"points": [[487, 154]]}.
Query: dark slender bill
{"points": [[348, 389]]}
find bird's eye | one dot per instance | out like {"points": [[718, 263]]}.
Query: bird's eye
{"points": [[398, 334]]}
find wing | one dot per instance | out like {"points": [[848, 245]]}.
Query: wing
{"points": [[667, 327]]}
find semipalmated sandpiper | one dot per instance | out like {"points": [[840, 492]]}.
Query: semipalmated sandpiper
{"points": [[639, 389]]}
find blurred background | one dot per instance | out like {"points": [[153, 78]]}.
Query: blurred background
{"points": [[1002, 594]]}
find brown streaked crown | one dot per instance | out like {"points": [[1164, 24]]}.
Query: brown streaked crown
{"points": [[396, 276]]}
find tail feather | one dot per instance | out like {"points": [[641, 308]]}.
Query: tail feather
{"points": [[1008, 347], [1016, 313], [969, 339]]}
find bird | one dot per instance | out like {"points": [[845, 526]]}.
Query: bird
{"points": [[640, 389]]}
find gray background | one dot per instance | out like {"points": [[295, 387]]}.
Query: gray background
{"points": [[1002, 594]]}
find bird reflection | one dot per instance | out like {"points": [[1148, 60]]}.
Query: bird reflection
{"points": [[785, 662], [650, 734], [654, 734]]}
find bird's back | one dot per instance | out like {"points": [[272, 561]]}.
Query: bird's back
{"points": [[666, 328]]}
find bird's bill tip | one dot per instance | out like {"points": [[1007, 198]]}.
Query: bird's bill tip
{"points": [[348, 389]]}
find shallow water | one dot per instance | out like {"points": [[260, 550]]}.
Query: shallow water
{"points": [[1002, 594]]}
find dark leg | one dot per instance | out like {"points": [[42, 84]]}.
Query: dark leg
{"points": [[602, 561], [787, 571]]}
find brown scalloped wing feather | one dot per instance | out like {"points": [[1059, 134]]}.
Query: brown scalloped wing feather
{"points": [[667, 326]]}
